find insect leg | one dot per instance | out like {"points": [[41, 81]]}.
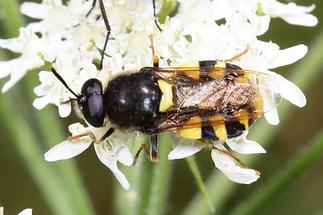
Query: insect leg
{"points": [[67, 101], [92, 136], [106, 135], [107, 25], [91, 9], [142, 147], [238, 56], [155, 57], [152, 153], [153, 148], [155, 16], [230, 155]]}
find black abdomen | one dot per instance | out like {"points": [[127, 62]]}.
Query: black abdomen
{"points": [[132, 101]]}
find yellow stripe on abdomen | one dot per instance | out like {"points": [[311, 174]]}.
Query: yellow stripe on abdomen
{"points": [[218, 125], [243, 117], [195, 132], [220, 131]]}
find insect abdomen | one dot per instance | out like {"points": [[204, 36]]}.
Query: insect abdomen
{"points": [[212, 103]]}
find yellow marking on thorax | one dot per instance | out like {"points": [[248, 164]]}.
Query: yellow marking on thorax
{"points": [[167, 95], [218, 124], [192, 133], [192, 64], [242, 79], [217, 75], [220, 63]]}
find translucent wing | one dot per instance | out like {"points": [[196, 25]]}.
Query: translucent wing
{"points": [[209, 79]]}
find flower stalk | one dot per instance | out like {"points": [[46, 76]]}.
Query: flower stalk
{"points": [[161, 178], [143, 186], [167, 8], [26, 143], [198, 178]]}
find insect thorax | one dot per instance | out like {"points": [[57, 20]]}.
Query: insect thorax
{"points": [[132, 101]]}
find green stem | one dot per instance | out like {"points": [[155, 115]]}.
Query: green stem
{"points": [[26, 143], [304, 75], [12, 24], [197, 175], [270, 190], [131, 196], [167, 8], [142, 186], [161, 178]]}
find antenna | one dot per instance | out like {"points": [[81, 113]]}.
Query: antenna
{"points": [[63, 82]]}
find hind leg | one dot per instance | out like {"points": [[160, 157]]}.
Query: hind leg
{"points": [[152, 153]]}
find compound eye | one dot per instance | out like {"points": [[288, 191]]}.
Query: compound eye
{"points": [[93, 110], [91, 86], [92, 102]]}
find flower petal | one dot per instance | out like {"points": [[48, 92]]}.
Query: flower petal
{"points": [[288, 56], [232, 169], [184, 150], [66, 150], [124, 155], [244, 146], [287, 90], [27, 211], [291, 13], [64, 109], [272, 117], [270, 100], [109, 159], [35, 10]]}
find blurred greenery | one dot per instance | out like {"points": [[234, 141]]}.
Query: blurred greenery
{"points": [[84, 186]]}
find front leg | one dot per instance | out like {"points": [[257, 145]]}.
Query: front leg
{"points": [[155, 16], [91, 9], [152, 47], [107, 26], [92, 136]]}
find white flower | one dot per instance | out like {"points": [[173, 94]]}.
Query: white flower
{"points": [[52, 91], [109, 153], [291, 13], [27, 211], [54, 15], [225, 161], [29, 45], [200, 30]]}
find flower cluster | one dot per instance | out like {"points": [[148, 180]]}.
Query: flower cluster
{"points": [[200, 30]]}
